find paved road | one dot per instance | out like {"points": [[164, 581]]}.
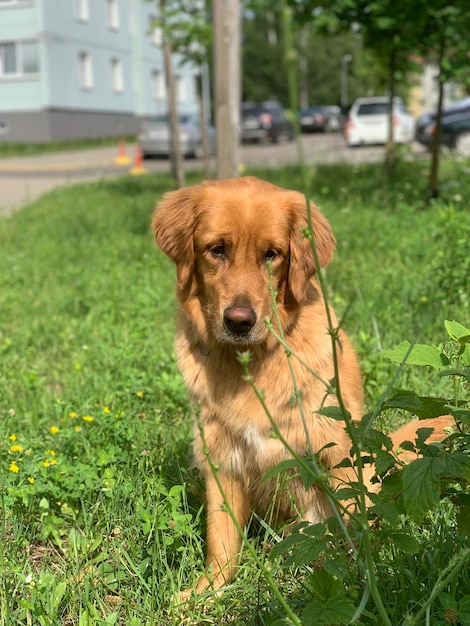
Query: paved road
{"points": [[24, 179]]}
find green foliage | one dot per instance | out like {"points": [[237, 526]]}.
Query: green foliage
{"points": [[264, 74]]}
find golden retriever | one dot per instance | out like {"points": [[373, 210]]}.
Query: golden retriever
{"points": [[235, 243]]}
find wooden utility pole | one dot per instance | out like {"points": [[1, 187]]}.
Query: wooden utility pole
{"points": [[227, 85]]}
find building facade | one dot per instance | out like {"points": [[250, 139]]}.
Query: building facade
{"points": [[73, 69]]}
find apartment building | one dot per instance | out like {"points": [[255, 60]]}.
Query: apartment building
{"points": [[73, 69]]}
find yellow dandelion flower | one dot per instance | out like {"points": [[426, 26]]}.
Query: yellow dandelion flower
{"points": [[16, 448], [77, 429], [72, 414], [52, 461], [50, 452], [12, 437], [54, 430], [14, 467], [106, 409], [140, 394], [31, 480], [88, 418]]}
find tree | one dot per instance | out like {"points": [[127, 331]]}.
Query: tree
{"points": [[227, 84], [394, 30], [186, 30], [445, 42], [319, 55]]}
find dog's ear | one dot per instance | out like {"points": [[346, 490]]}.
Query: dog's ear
{"points": [[302, 262], [173, 222]]}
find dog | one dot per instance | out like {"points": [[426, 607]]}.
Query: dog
{"points": [[242, 258]]}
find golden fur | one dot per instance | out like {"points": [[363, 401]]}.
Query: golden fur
{"points": [[230, 240]]}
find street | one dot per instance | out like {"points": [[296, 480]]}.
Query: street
{"points": [[24, 179]]}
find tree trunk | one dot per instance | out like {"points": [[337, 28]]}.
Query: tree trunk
{"points": [[227, 85], [433, 191], [390, 145], [177, 164], [203, 125]]}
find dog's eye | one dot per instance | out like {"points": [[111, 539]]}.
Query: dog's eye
{"points": [[270, 255], [217, 251]]}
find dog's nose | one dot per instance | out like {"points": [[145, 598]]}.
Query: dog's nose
{"points": [[239, 319]]}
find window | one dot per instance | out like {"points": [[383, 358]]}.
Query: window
{"points": [[13, 2], [30, 57], [116, 75], [180, 88], [19, 58], [113, 14], [158, 85], [82, 10], [155, 31], [85, 70]]}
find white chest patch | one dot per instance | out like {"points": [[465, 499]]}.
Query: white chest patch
{"points": [[254, 440]]}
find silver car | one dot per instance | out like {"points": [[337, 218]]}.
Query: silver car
{"points": [[155, 139]]}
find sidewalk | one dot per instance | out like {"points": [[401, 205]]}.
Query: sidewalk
{"points": [[24, 179]]}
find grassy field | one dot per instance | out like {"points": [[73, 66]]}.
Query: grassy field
{"points": [[31, 149], [96, 525]]}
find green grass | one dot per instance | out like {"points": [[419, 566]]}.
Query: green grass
{"points": [[95, 426], [31, 149]]}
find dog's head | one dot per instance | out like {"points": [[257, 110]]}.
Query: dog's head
{"points": [[234, 242]]}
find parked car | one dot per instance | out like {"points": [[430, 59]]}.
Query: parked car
{"points": [[313, 119], [455, 130], [319, 119], [154, 139], [265, 122], [368, 122]]}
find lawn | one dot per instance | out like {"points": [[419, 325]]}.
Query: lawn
{"points": [[97, 524]]}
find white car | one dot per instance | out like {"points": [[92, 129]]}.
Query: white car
{"points": [[368, 122]]}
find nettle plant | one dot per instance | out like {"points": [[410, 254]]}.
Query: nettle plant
{"points": [[428, 478], [347, 555]]}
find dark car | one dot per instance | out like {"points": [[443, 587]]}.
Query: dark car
{"points": [[313, 119], [265, 122], [323, 119], [455, 130]]}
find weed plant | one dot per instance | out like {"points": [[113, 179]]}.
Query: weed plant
{"points": [[101, 521]]}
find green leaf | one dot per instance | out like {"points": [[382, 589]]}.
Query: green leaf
{"points": [[336, 568], [448, 601], [421, 486], [385, 510], [334, 412], [405, 542], [324, 586], [306, 551], [457, 332], [406, 400], [383, 462], [422, 406], [455, 464], [336, 610], [419, 354], [281, 467]]}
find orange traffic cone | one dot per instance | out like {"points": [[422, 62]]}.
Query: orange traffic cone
{"points": [[122, 158], [138, 167]]}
